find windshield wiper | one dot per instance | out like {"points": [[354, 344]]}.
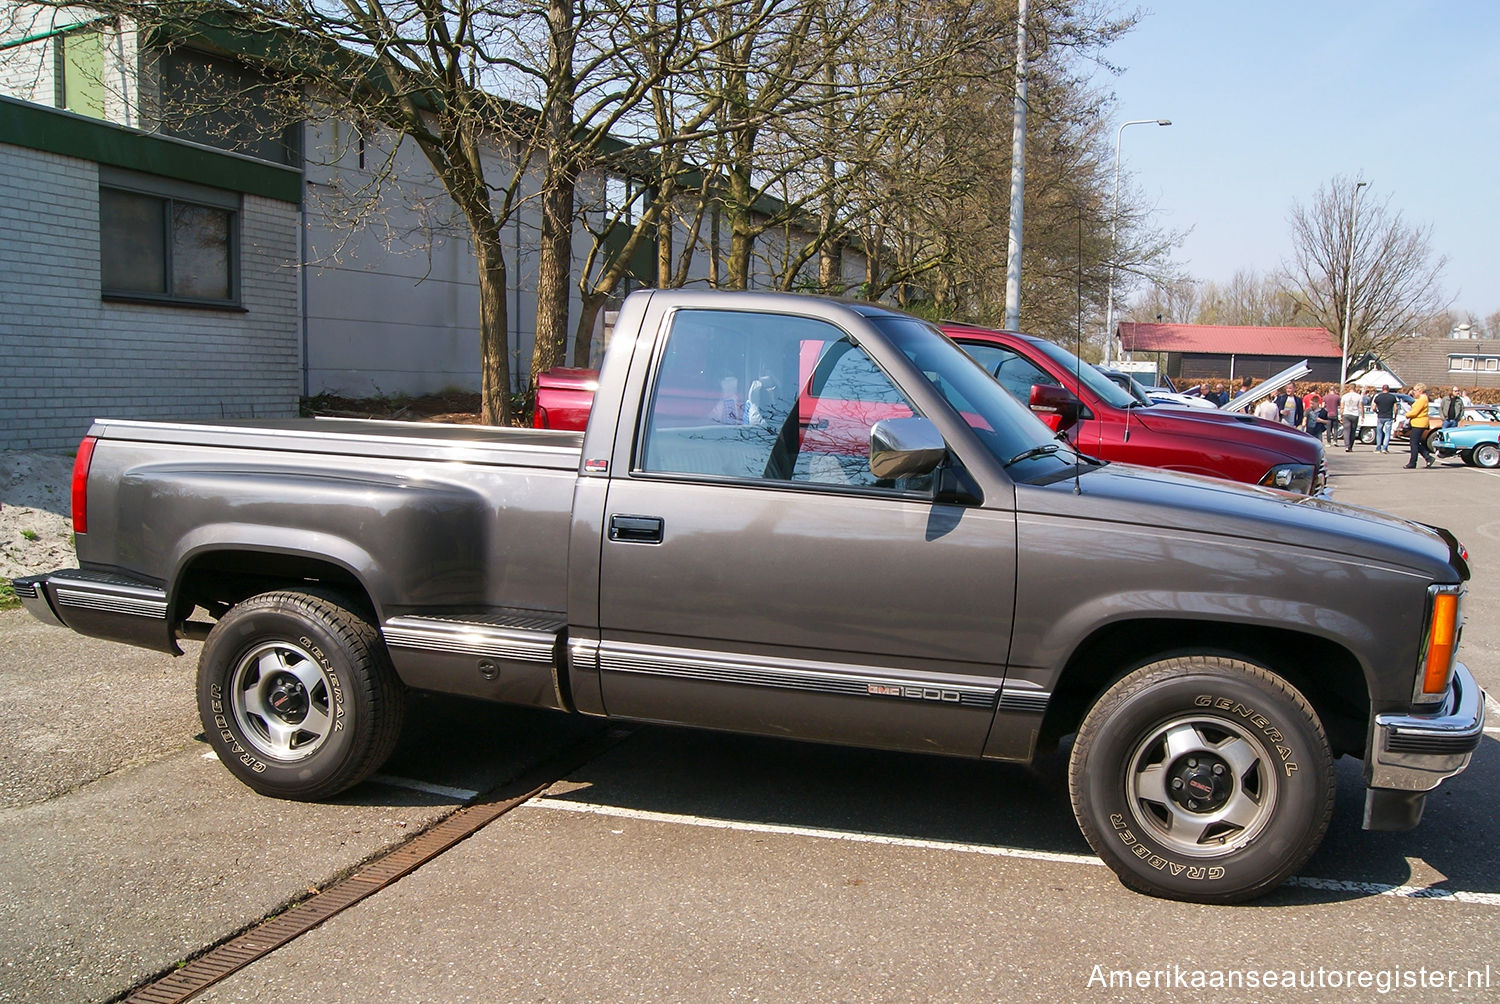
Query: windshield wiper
{"points": [[1043, 450]]}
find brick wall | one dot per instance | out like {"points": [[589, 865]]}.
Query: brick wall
{"points": [[67, 357]]}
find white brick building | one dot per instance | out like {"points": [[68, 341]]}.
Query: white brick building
{"points": [[75, 349], [387, 305]]}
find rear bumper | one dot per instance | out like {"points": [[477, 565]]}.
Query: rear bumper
{"points": [[30, 591], [1417, 752], [99, 604]]}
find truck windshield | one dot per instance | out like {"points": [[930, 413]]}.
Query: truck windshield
{"points": [[1007, 427]]}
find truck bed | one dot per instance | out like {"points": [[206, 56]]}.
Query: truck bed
{"points": [[365, 438]]}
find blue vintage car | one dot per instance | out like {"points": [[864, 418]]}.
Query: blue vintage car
{"points": [[1476, 445]]}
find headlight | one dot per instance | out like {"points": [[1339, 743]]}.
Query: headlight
{"points": [[1291, 477]]}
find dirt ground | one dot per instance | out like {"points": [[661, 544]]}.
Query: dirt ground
{"points": [[455, 407], [35, 532]]}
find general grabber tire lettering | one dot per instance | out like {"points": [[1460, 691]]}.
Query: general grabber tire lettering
{"points": [[297, 694], [1202, 778]]}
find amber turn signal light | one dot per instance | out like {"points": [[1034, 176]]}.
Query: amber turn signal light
{"points": [[1441, 643]]}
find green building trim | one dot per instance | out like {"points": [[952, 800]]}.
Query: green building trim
{"points": [[37, 127]]}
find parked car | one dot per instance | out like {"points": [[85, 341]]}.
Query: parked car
{"points": [[1155, 395], [1368, 422], [1475, 445]]}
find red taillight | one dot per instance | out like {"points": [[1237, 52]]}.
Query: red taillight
{"points": [[81, 463], [539, 418]]}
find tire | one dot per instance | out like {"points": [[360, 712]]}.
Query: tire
{"points": [[326, 667], [1487, 455], [1467, 456], [1367, 435], [1235, 730]]}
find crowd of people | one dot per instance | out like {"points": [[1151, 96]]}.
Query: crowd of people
{"points": [[1336, 417]]}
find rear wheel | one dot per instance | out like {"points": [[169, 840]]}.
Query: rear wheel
{"points": [[1487, 455], [1202, 778], [297, 695], [1367, 435]]}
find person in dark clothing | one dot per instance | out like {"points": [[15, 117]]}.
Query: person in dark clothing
{"points": [[1385, 419], [1314, 424]]}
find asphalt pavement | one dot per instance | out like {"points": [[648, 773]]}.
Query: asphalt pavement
{"points": [[687, 866]]}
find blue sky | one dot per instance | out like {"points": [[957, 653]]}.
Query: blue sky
{"points": [[1271, 99]]}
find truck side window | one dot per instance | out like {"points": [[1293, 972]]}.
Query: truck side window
{"points": [[767, 397], [1015, 372]]}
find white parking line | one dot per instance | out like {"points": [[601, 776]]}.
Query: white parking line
{"points": [[1492, 714], [618, 812], [1301, 882], [462, 794]]}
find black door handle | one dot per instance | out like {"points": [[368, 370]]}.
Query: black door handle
{"points": [[637, 529]]}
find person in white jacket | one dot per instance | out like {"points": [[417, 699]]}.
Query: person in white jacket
{"points": [[1351, 407]]}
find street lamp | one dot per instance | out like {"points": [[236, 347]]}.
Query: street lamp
{"points": [[1114, 226], [1349, 286]]}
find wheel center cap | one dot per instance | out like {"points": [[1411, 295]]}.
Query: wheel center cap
{"points": [[1200, 784], [288, 699]]}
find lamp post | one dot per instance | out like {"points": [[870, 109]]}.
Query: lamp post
{"points": [[1349, 286], [1114, 227]]}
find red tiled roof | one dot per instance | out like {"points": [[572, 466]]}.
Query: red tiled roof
{"points": [[1221, 339]]}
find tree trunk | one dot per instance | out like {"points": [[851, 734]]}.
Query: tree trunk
{"points": [[555, 257], [494, 349], [664, 245], [741, 236], [554, 270], [583, 335]]}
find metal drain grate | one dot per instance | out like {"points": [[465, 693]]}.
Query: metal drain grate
{"points": [[264, 938]]}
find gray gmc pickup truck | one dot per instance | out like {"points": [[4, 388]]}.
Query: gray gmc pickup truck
{"points": [[806, 518]]}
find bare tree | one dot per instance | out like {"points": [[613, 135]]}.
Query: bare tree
{"points": [[1395, 278]]}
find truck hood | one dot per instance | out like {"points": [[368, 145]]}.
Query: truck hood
{"points": [[1148, 496], [1200, 424]]}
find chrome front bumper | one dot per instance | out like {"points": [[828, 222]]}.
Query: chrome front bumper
{"points": [[1417, 752]]}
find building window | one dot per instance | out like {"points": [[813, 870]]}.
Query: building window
{"points": [[80, 76], [160, 241], [1460, 363]]}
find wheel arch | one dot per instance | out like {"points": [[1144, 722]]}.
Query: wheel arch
{"points": [[219, 575], [1328, 675]]}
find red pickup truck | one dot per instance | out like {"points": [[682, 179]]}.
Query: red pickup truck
{"points": [[1099, 417], [1112, 425]]}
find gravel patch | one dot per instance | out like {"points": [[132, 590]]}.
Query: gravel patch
{"points": [[36, 534]]}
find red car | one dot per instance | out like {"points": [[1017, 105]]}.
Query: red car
{"points": [[1112, 425]]}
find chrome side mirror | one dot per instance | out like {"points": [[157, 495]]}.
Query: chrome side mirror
{"points": [[905, 447]]}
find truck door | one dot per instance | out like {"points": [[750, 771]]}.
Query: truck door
{"points": [[755, 576]]}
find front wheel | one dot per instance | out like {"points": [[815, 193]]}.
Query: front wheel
{"points": [[1487, 455], [297, 695], [1202, 778], [1367, 435]]}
